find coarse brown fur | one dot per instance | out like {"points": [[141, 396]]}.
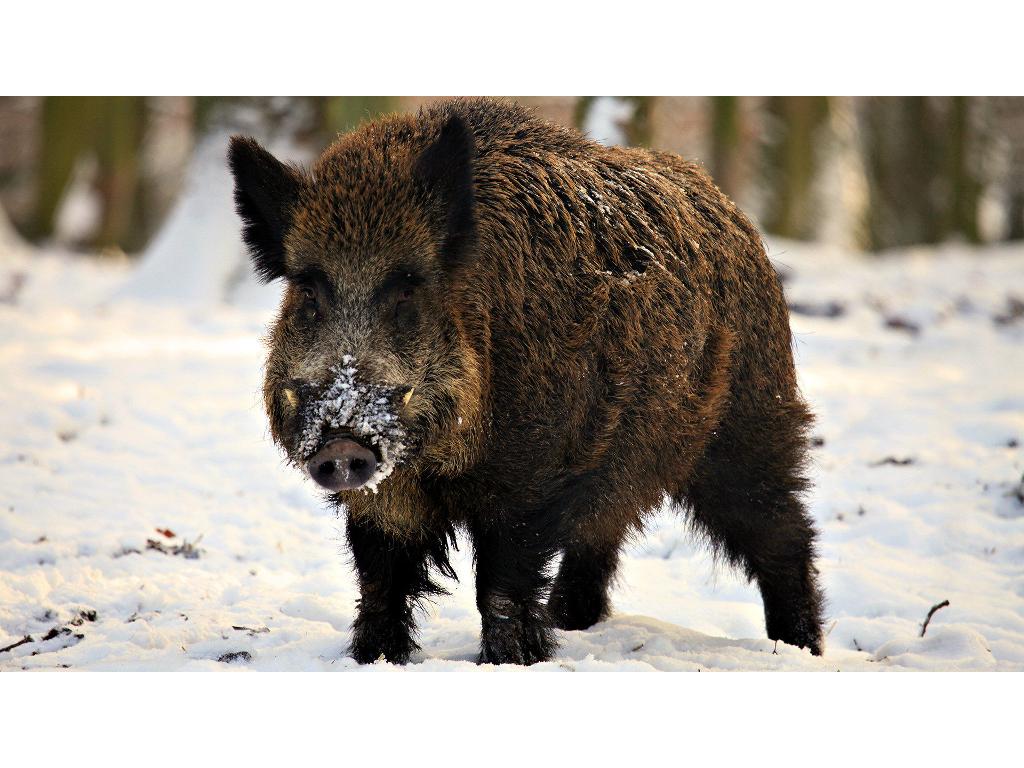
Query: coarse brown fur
{"points": [[591, 328]]}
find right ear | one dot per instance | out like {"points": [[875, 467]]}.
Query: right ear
{"points": [[445, 167], [266, 191]]}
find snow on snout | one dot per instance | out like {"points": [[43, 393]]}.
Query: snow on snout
{"points": [[365, 409]]}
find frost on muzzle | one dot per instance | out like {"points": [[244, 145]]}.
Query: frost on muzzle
{"points": [[351, 437]]}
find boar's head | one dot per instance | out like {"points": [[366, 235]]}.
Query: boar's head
{"points": [[367, 358]]}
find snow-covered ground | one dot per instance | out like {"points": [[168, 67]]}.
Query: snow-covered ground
{"points": [[147, 522]]}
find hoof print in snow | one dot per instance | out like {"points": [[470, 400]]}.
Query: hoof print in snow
{"points": [[906, 461], [828, 309], [253, 631], [235, 656], [64, 634], [1018, 491], [66, 637], [897, 323], [82, 617], [187, 549], [1012, 314]]}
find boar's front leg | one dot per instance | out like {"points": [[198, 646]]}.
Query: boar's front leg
{"points": [[393, 574], [511, 579]]}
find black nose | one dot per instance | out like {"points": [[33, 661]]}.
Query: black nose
{"points": [[342, 465]]}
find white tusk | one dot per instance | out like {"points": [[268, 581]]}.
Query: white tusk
{"points": [[291, 397]]}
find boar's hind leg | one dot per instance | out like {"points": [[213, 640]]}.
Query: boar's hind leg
{"points": [[393, 575], [511, 579], [579, 595], [745, 496]]}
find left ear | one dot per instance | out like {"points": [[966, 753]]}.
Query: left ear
{"points": [[265, 192], [445, 168]]}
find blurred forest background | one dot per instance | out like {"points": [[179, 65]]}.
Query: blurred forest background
{"points": [[101, 174]]}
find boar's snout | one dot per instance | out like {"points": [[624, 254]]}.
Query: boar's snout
{"points": [[342, 465]]}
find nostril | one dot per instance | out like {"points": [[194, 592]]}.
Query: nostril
{"points": [[342, 464]]}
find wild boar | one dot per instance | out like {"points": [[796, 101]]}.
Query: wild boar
{"points": [[494, 324]]}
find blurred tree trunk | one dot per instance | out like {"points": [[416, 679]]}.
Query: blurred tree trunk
{"points": [[68, 127], [791, 163], [725, 143], [902, 161], [1009, 119], [109, 128], [924, 176], [118, 144], [963, 185]]}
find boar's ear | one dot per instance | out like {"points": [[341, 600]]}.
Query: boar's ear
{"points": [[446, 170], [265, 192]]}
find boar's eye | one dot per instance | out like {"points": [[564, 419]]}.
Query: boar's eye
{"points": [[398, 292], [405, 293], [307, 295], [311, 290], [403, 301]]}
